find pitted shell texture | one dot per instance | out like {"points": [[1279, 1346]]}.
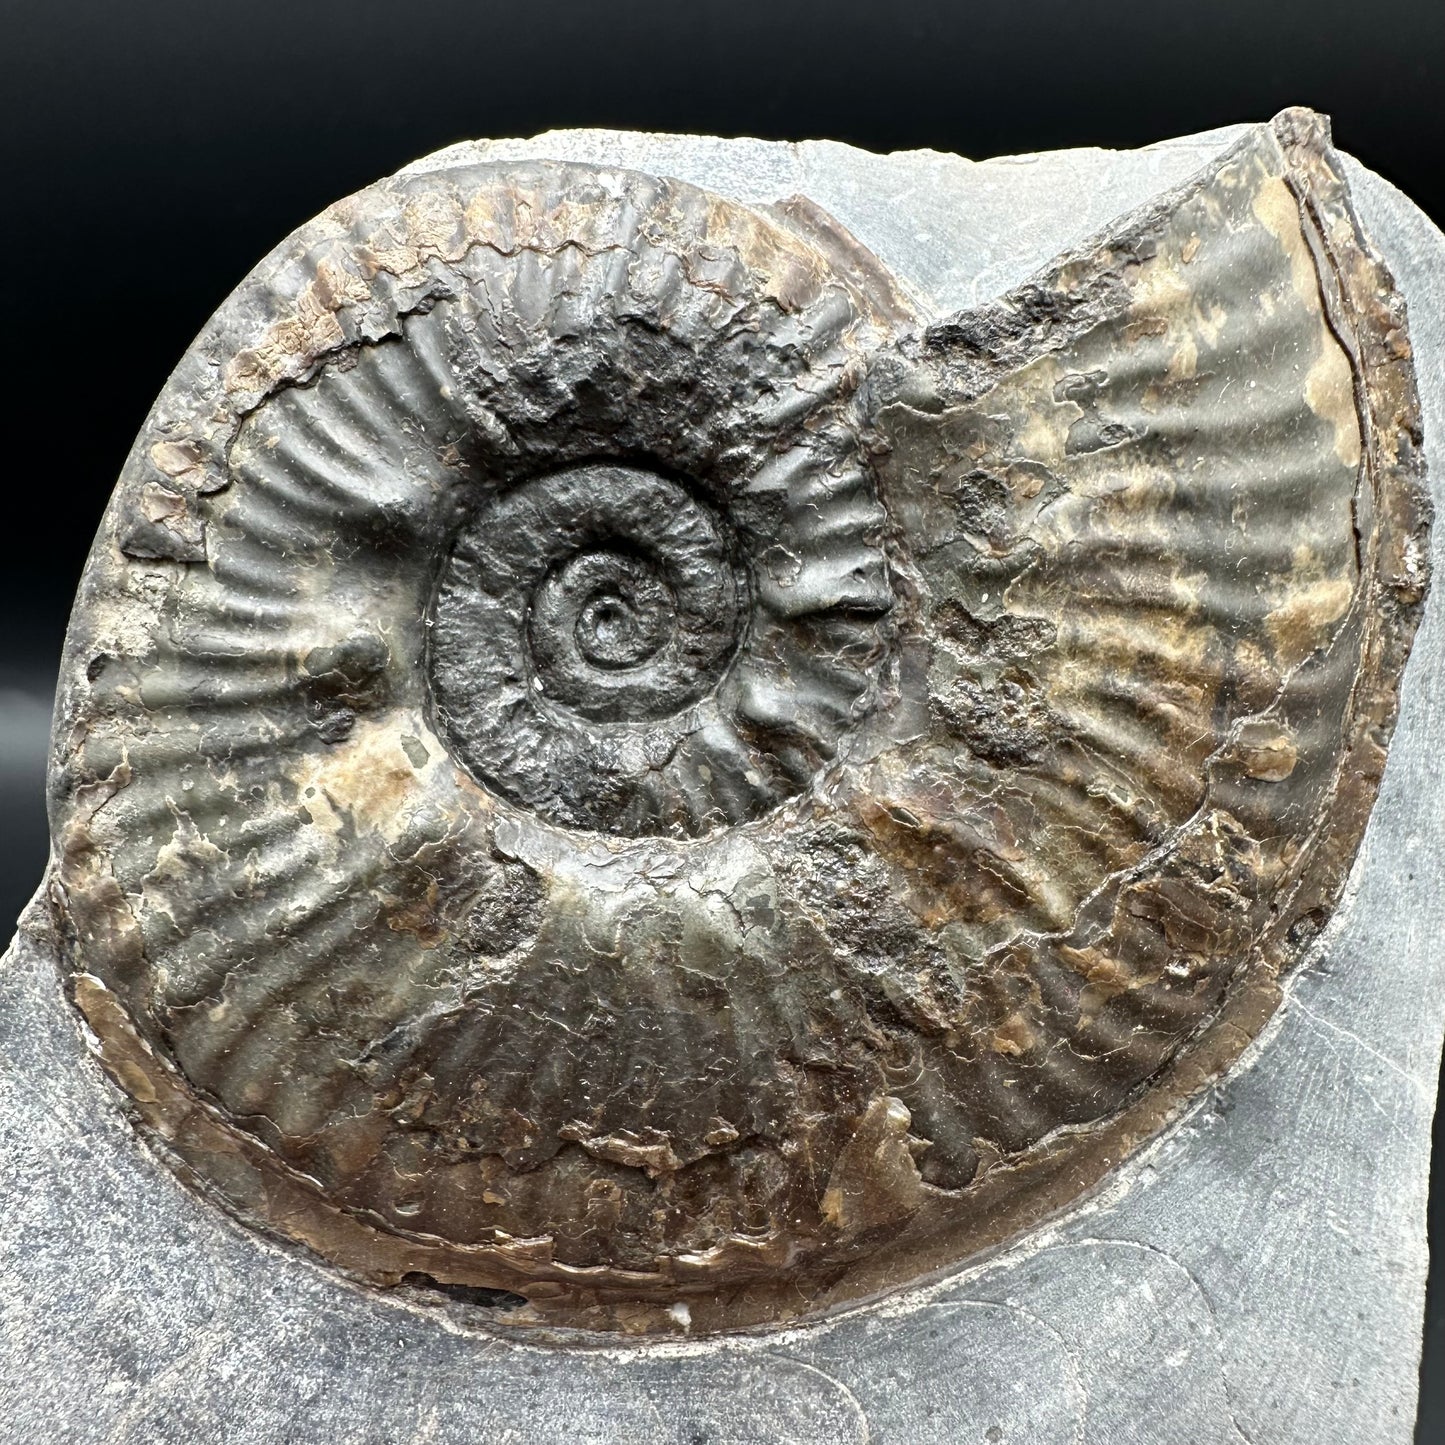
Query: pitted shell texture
{"points": [[605, 758]]}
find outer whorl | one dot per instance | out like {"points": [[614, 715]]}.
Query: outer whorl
{"points": [[602, 758]]}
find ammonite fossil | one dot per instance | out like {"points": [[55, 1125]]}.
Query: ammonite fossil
{"points": [[606, 764]]}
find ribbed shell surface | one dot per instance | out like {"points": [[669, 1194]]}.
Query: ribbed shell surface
{"points": [[602, 757]]}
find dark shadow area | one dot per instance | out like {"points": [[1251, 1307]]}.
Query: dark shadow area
{"points": [[24, 727], [152, 152], [476, 1296]]}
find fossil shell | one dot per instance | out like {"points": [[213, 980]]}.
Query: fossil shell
{"points": [[602, 758]]}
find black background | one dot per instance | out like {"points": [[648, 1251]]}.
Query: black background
{"points": [[151, 152]]}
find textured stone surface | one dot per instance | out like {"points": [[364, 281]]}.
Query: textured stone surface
{"points": [[1282, 1220]]}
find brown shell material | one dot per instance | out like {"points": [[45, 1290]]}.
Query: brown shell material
{"points": [[600, 759]]}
